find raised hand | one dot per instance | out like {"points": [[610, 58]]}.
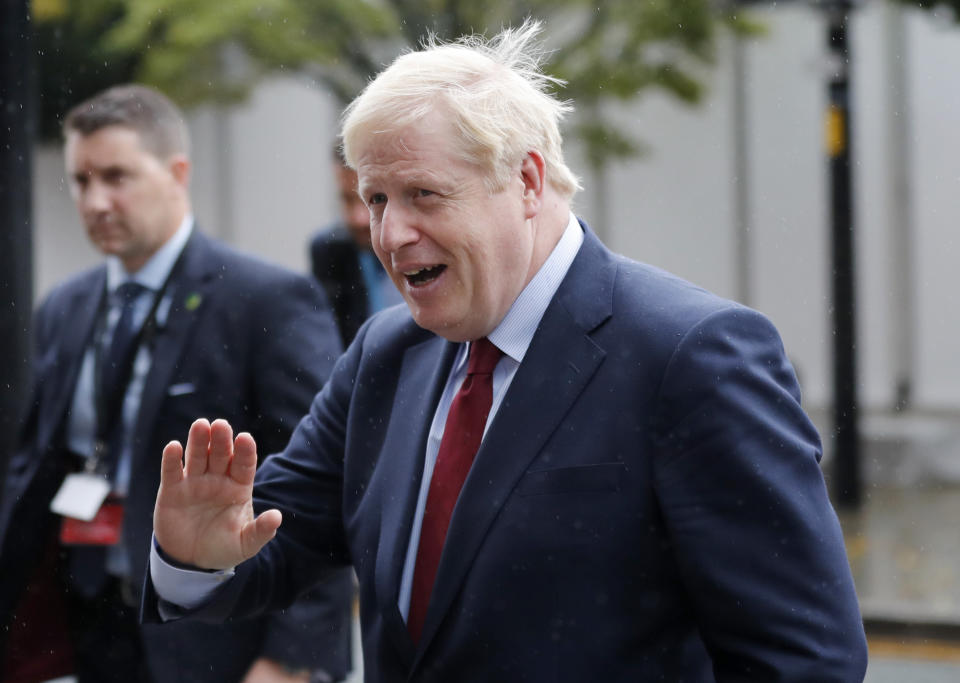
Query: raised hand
{"points": [[204, 510]]}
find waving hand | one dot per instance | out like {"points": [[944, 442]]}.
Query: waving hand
{"points": [[204, 510]]}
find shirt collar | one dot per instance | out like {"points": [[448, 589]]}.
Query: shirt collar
{"points": [[155, 271], [515, 332]]}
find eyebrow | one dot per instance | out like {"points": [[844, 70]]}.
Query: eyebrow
{"points": [[417, 178]]}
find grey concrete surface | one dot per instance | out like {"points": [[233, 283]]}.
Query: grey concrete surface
{"points": [[891, 670], [904, 550]]}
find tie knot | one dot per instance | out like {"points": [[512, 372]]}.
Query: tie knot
{"points": [[483, 357], [128, 292]]}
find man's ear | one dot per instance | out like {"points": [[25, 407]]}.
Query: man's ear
{"points": [[179, 166], [533, 174]]}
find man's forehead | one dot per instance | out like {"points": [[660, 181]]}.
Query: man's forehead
{"points": [[84, 163], [404, 171], [429, 134], [412, 160], [110, 146], [403, 163], [103, 140]]}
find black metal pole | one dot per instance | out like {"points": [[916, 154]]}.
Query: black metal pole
{"points": [[16, 254], [847, 480]]}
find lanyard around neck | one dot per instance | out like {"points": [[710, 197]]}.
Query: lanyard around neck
{"points": [[109, 407]]}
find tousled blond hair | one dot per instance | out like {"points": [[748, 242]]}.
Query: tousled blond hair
{"points": [[494, 90]]}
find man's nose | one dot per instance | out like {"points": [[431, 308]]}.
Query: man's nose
{"points": [[95, 198], [397, 228]]}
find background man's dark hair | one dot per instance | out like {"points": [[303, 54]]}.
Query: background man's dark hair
{"points": [[336, 152], [151, 114]]}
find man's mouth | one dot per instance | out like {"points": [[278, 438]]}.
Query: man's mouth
{"points": [[103, 224], [420, 277]]}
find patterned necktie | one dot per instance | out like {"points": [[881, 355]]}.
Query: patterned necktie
{"points": [[461, 439], [115, 357], [87, 568]]}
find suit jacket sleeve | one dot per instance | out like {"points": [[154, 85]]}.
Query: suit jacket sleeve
{"points": [[297, 346], [305, 481], [19, 475], [42, 345], [26, 424], [758, 543]]}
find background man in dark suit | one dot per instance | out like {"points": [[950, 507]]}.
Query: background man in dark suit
{"points": [[342, 259], [205, 330], [557, 465]]}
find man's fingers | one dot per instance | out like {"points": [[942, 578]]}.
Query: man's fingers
{"points": [[244, 464], [221, 447], [198, 443], [171, 466], [258, 532]]}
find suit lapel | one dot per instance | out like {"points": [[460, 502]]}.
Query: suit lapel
{"points": [[188, 292], [81, 315], [546, 386], [422, 378]]}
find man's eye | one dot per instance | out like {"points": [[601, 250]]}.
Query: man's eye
{"points": [[424, 193], [377, 198], [114, 176]]}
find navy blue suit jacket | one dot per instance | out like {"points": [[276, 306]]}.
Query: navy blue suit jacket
{"points": [[244, 341], [647, 504]]}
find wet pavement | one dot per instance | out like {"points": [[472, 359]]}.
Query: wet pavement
{"points": [[885, 670], [904, 550]]}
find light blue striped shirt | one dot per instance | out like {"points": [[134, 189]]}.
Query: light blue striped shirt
{"points": [[82, 422], [512, 336]]}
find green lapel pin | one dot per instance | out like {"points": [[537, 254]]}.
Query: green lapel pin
{"points": [[192, 302]]}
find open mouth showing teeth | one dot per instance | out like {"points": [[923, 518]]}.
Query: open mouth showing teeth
{"points": [[424, 275]]}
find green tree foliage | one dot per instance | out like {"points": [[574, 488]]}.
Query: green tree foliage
{"points": [[198, 50], [71, 59]]}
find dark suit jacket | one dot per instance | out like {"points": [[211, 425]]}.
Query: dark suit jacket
{"points": [[335, 264], [646, 505], [254, 350]]}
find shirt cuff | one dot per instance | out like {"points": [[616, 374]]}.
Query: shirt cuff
{"points": [[183, 585]]}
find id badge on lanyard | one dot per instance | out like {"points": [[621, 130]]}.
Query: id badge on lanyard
{"points": [[90, 515]]}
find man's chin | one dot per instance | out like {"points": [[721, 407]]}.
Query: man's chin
{"points": [[453, 331], [110, 248], [431, 323], [106, 241]]}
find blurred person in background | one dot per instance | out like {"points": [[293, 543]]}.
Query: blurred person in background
{"points": [[343, 261], [171, 325]]}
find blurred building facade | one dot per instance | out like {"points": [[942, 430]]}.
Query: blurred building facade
{"points": [[261, 177]]}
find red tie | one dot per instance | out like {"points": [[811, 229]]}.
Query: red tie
{"points": [[461, 439]]}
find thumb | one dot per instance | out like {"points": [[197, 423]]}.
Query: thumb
{"points": [[257, 532]]}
